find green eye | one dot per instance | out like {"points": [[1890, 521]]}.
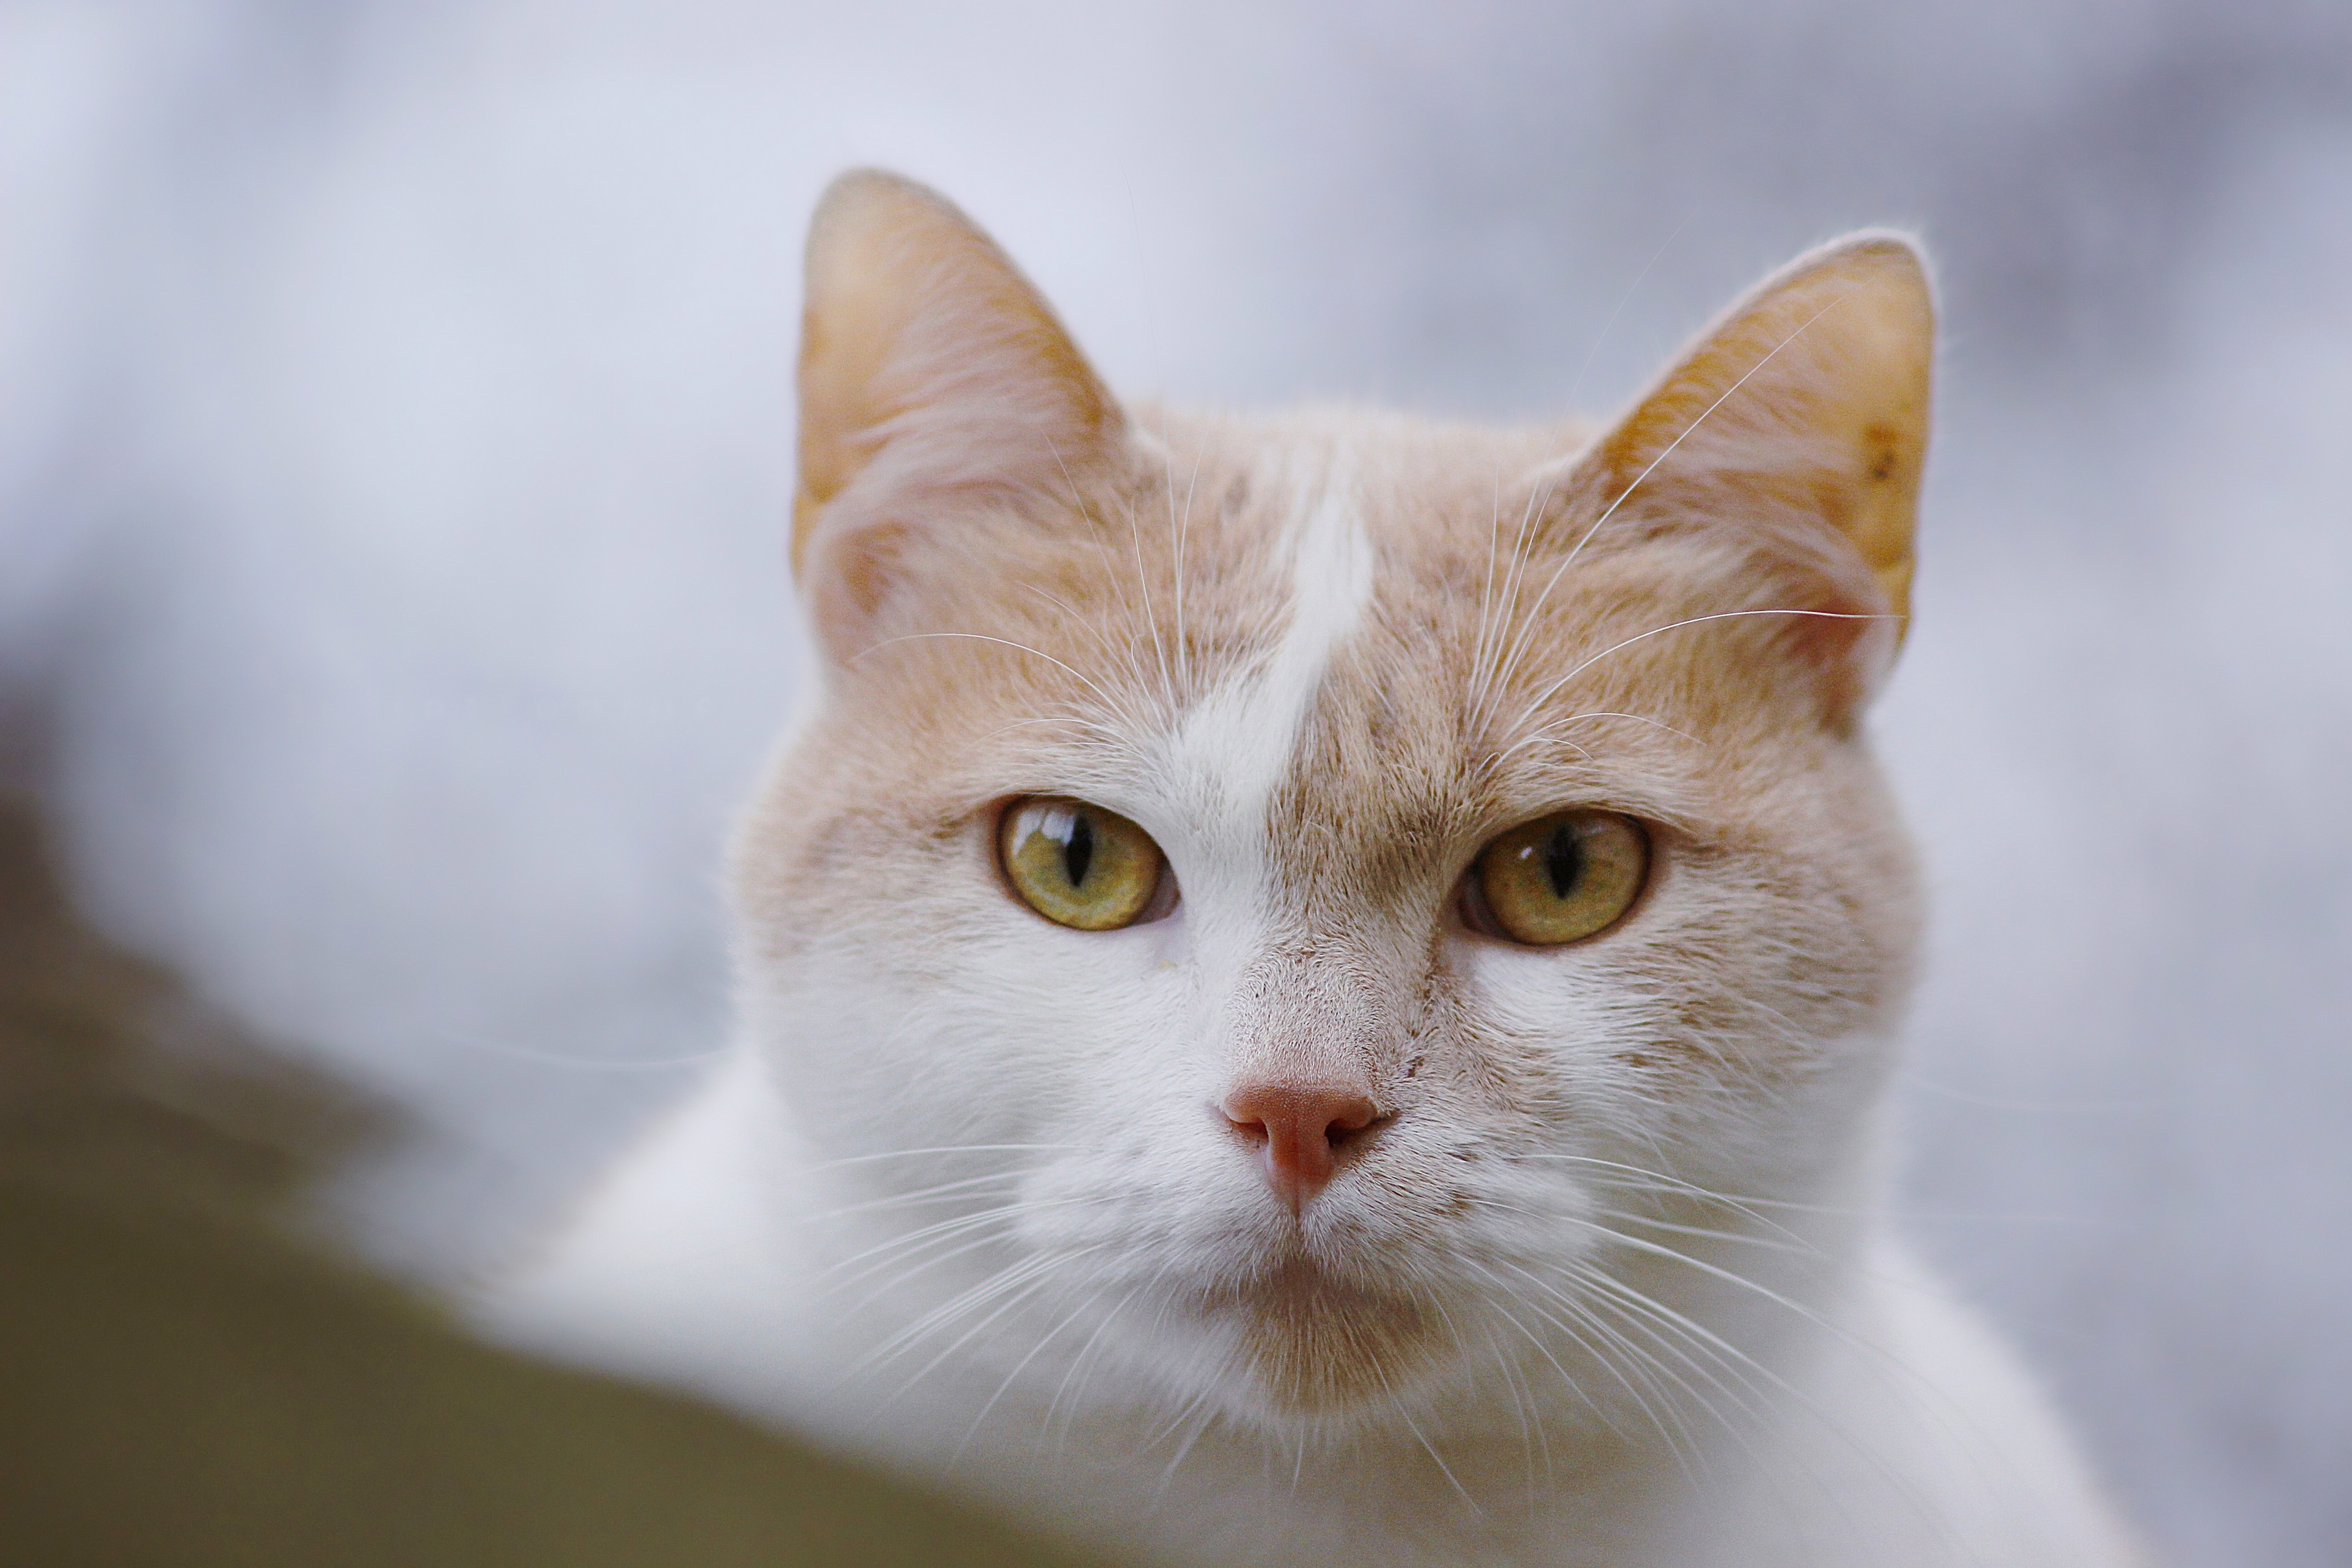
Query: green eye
{"points": [[1078, 865], [1557, 880]]}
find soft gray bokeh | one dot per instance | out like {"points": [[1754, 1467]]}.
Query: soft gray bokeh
{"points": [[394, 442]]}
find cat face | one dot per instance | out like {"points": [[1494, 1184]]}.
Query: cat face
{"points": [[1286, 890]]}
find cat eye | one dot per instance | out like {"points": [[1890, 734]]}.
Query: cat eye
{"points": [[1080, 865], [1556, 879]]}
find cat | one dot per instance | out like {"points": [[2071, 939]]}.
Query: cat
{"points": [[1321, 988]]}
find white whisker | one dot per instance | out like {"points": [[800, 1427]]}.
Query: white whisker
{"points": [[1677, 625]]}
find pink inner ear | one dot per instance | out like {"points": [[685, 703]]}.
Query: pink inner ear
{"points": [[1849, 644], [849, 574], [1758, 565], [1851, 657]]}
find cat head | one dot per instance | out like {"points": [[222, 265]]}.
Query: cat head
{"points": [[1280, 884]]}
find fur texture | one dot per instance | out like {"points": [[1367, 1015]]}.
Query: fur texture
{"points": [[1608, 1281]]}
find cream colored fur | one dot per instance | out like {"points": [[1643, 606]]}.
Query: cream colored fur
{"points": [[1613, 1284]]}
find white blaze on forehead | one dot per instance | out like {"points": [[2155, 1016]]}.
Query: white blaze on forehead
{"points": [[1330, 584], [1234, 749]]}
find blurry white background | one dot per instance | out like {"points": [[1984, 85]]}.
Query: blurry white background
{"points": [[395, 441]]}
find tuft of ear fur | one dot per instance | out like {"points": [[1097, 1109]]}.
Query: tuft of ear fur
{"points": [[929, 368], [1802, 413]]}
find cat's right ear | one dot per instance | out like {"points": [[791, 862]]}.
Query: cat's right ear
{"points": [[932, 372], [1799, 423]]}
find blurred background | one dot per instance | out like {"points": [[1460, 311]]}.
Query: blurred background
{"points": [[395, 446]]}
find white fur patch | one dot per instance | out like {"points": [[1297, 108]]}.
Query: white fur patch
{"points": [[1244, 735]]}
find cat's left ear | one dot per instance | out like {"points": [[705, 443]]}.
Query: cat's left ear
{"points": [[1804, 408]]}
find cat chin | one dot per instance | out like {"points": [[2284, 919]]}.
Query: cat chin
{"points": [[1298, 1346]]}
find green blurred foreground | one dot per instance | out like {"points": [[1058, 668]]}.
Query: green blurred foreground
{"points": [[181, 1384]]}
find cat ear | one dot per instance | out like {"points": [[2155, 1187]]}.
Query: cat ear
{"points": [[1803, 410], [929, 366]]}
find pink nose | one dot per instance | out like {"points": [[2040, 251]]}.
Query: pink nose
{"points": [[1298, 1132]]}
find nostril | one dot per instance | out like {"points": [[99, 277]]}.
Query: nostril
{"points": [[1299, 1131], [1336, 1117]]}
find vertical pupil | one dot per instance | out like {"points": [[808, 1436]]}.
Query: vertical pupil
{"points": [[1078, 848], [1563, 859]]}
